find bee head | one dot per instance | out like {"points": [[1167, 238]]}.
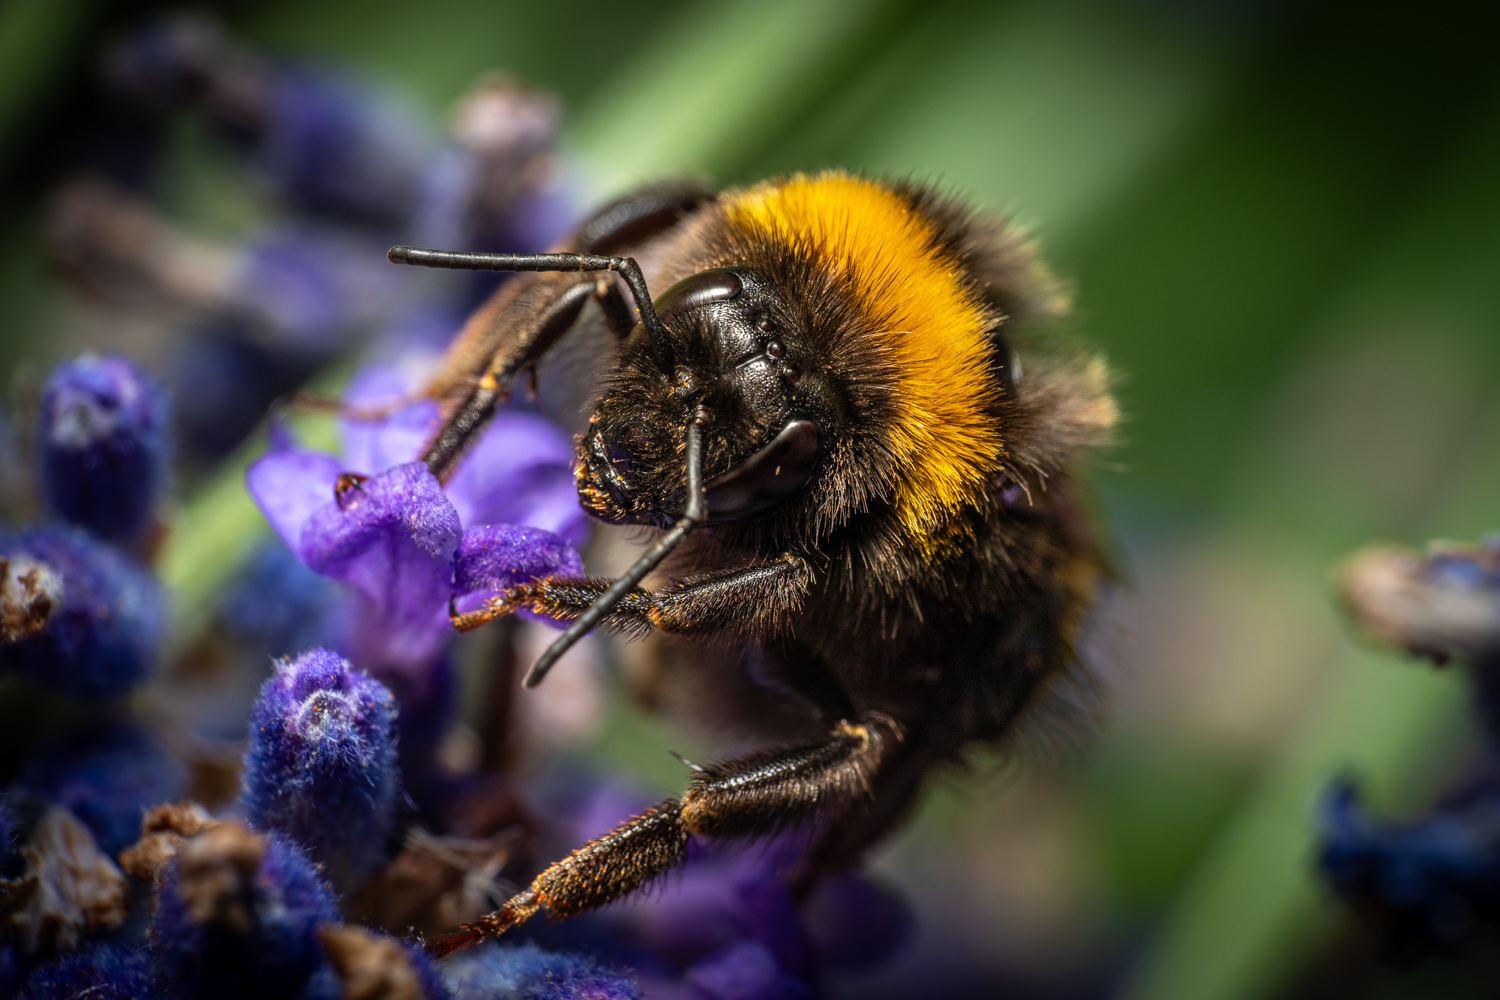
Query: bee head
{"points": [[734, 350]]}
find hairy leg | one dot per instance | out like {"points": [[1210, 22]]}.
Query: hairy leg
{"points": [[740, 600], [750, 795]]}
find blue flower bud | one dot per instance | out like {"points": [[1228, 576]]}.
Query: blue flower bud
{"points": [[103, 635], [237, 915], [102, 971], [321, 765], [525, 972], [102, 443], [108, 778]]}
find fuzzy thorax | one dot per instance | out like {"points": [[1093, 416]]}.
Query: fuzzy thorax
{"points": [[944, 436]]}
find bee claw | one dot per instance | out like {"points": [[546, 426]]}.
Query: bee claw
{"points": [[498, 606], [487, 928]]}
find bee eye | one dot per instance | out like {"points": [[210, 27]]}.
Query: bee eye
{"points": [[768, 478], [792, 374], [764, 323], [774, 349]]}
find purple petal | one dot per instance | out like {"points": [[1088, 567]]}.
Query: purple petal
{"points": [[493, 557], [288, 484], [856, 923], [393, 542], [372, 446], [519, 472], [745, 970]]}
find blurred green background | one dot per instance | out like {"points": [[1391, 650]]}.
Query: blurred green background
{"points": [[1282, 225]]}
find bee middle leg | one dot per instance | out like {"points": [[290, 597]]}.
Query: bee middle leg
{"points": [[533, 321], [741, 600], [747, 796]]}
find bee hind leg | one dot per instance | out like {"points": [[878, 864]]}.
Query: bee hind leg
{"points": [[747, 796]]}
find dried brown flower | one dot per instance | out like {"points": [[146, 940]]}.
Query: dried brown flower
{"points": [[70, 887]]}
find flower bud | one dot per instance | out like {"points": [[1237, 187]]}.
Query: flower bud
{"points": [[102, 445], [321, 766], [237, 915], [499, 970], [102, 971]]}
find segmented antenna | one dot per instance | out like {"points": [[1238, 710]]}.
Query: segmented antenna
{"points": [[625, 267]]}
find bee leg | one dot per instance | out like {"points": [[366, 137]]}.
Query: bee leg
{"points": [[523, 319], [525, 346], [563, 598], [755, 794], [737, 600]]}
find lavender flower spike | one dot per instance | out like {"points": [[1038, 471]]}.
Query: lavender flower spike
{"points": [[102, 445], [321, 766]]}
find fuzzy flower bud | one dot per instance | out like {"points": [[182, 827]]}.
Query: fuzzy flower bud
{"points": [[102, 636], [102, 444], [104, 971], [321, 766], [237, 915], [526, 972]]}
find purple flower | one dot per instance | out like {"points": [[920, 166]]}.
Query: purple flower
{"points": [[497, 184], [397, 539], [237, 915], [102, 445], [103, 635], [744, 971], [321, 764], [856, 923], [525, 972]]}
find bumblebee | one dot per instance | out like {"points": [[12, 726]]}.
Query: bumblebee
{"points": [[867, 514]]}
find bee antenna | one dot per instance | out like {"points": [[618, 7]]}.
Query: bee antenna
{"points": [[625, 267], [696, 515]]}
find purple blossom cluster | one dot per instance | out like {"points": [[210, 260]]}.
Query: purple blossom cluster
{"points": [[1432, 882], [272, 809]]}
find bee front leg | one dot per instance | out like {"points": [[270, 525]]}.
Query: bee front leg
{"points": [[752, 599], [748, 796], [532, 321]]}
